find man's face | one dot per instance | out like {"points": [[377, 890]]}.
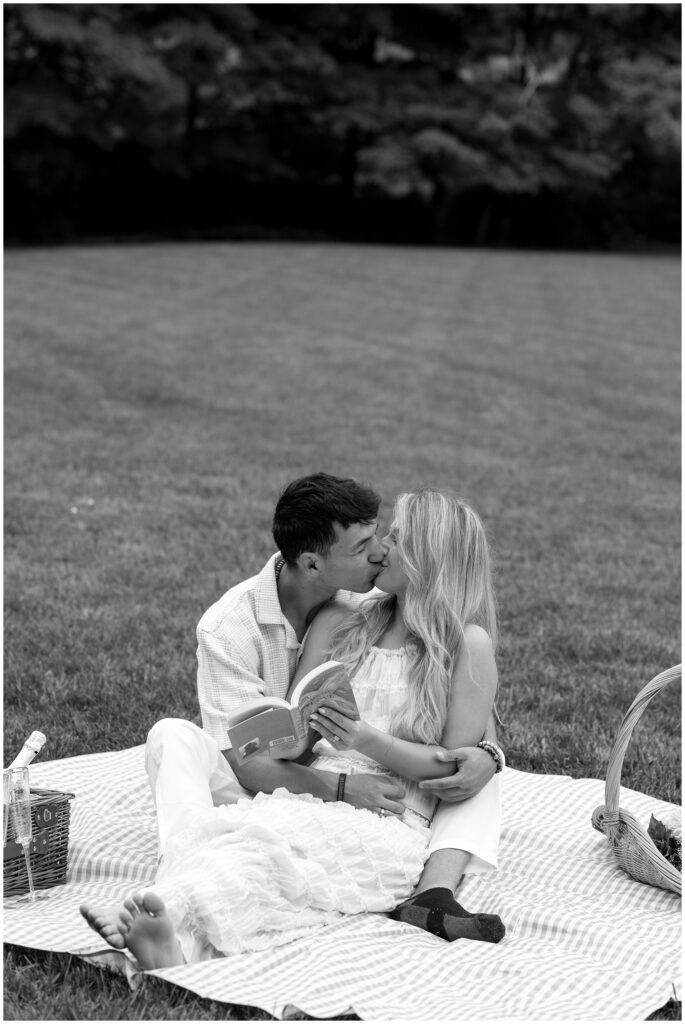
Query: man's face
{"points": [[353, 561]]}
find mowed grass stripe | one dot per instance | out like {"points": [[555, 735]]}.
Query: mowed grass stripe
{"points": [[177, 388]]}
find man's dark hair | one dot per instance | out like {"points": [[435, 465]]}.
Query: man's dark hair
{"points": [[308, 508]]}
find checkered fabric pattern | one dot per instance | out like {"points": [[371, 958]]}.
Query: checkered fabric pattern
{"points": [[247, 649], [584, 941]]}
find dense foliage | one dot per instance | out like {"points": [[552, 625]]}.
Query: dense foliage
{"points": [[528, 124]]}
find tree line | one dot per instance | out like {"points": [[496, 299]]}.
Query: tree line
{"points": [[494, 124]]}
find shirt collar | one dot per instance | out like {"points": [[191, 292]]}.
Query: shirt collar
{"points": [[267, 605]]}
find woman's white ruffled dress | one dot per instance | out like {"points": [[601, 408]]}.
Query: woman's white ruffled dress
{"points": [[262, 872]]}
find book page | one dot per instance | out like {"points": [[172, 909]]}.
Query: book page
{"points": [[256, 709], [327, 685]]}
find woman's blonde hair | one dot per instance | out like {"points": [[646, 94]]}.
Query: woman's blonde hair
{"points": [[444, 553]]}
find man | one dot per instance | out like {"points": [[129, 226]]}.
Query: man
{"points": [[249, 642]]}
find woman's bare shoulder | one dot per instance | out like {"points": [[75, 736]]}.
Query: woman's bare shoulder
{"points": [[477, 639], [331, 615]]}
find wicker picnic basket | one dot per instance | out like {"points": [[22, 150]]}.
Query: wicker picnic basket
{"points": [[50, 813], [633, 847]]}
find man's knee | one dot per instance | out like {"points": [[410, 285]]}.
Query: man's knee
{"points": [[177, 735], [167, 728]]}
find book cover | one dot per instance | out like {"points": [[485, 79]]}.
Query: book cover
{"points": [[281, 728]]}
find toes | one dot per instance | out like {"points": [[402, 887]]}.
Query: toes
{"points": [[153, 904], [94, 917], [113, 936], [102, 923], [134, 905], [125, 919], [86, 912]]}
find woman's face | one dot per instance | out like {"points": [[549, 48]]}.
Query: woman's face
{"points": [[391, 579]]}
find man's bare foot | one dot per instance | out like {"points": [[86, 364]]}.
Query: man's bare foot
{"points": [[142, 925]]}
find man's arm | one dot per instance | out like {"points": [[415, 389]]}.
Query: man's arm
{"points": [[475, 768], [228, 680], [264, 775], [226, 685]]}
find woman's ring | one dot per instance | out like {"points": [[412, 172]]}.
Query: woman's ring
{"points": [[337, 739]]}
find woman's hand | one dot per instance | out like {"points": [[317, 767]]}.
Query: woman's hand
{"points": [[342, 732]]}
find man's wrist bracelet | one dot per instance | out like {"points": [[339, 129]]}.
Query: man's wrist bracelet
{"points": [[495, 752], [341, 786]]}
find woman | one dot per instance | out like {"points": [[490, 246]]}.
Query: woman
{"points": [[262, 872]]}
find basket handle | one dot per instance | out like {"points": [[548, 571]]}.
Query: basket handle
{"points": [[613, 781]]}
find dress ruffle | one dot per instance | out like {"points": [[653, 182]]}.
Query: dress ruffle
{"points": [[263, 872]]}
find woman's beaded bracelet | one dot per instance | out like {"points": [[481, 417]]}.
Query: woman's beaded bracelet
{"points": [[495, 752], [341, 786]]}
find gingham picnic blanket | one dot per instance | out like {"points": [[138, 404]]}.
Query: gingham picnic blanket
{"points": [[583, 942]]}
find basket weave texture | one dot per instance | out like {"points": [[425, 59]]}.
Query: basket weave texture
{"points": [[632, 845], [50, 813]]}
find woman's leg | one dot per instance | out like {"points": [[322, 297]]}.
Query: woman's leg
{"points": [[142, 925], [240, 882], [267, 871]]}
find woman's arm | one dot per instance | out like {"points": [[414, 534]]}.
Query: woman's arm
{"points": [[317, 642], [474, 686], [262, 774], [474, 683]]}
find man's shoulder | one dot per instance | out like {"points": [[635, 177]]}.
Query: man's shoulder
{"points": [[234, 609]]}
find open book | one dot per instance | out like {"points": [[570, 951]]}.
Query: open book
{"points": [[281, 728]]}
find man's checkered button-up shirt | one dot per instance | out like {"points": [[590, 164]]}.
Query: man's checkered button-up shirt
{"points": [[247, 649]]}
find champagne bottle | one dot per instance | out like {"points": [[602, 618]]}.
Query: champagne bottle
{"points": [[32, 746]]}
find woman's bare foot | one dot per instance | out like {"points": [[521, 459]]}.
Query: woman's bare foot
{"points": [[141, 925]]}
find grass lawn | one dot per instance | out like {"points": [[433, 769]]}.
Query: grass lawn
{"points": [[158, 397]]}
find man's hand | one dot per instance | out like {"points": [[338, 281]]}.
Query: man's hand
{"points": [[474, 769], [375, 792]]}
